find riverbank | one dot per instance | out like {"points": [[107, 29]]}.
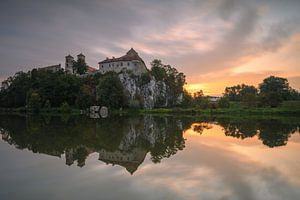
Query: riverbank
{"points": [[44, 111], [225, 111], [178, 111]]}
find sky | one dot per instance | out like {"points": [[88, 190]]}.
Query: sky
{"points": [[215, 43]]}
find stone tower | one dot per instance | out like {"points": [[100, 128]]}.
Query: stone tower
{"points": [[69, 64], [81, 58]]}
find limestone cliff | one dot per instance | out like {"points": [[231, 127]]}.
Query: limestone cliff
{"points": [[147, 93]]}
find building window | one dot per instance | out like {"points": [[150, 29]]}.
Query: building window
{"points": [[109, 65], [134, 64], [121, 64], [128, 64]]}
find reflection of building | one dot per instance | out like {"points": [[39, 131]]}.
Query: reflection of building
{"points": [[130, 61], [78, 154], [130, 160]]}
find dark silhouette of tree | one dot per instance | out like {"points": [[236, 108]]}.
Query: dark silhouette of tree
{"points": [[273, 90], [80, 67], [110, 92]]}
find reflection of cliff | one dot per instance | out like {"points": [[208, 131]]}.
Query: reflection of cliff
{"points": [[122, 141]]}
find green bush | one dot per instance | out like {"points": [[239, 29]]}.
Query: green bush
{"points": [[110, 92], [47, 104], [224, 102], [291, 105], [65, 107], [34, 102]]}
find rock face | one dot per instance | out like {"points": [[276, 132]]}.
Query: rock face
{"points": [[147, 94]]}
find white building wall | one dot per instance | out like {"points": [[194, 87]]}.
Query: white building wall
{"points": [[136, 66]]}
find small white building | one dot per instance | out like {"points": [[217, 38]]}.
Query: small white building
{"points": [[213, 98], [130, 61], [51, 68]]}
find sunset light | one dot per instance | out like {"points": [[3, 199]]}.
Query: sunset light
{"points": [[150, 99]]}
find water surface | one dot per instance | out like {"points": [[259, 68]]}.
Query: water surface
{"points": [[149, 157]]}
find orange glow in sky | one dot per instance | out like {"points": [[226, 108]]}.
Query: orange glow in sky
{"points": [[252, 70]]}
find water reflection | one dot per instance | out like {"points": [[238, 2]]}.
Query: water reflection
{"points": [[126, 141], [118, 140], [273, 132]]}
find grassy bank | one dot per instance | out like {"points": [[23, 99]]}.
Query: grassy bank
{"points": [[45, 111], [287, 109], [236, 108], [231, 111]]}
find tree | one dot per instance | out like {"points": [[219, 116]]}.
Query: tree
{"points": [[47, 104], [110, 92], [198, 94], [248, 95], [86, 96], [224, 102], [145, 78], [273, 90], [157, 70], [232, 93], [173, 80], [65, 107], [294, 95], [200, 100], [80, 67], [187, 99], [238, 92], [34, 101], [249, 99]]}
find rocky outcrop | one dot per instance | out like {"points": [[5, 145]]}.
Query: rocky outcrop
{"points": [[147, 94]]}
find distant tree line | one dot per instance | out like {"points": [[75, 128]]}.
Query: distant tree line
{"points": [[270, 93]]}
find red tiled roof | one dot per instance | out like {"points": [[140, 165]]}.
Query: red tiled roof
{"points": [[91, 69], [130, 55]]}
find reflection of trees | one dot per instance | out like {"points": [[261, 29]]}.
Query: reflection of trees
{"points": [[275, 133], [171, 139], [200, 127], [116, 138], [126, 140], [239, 128], [272, 132]]}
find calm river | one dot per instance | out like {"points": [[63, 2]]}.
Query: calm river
{"points": [[149, 157]]}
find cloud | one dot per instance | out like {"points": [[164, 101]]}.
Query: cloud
{"points": [[197, 37]]}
